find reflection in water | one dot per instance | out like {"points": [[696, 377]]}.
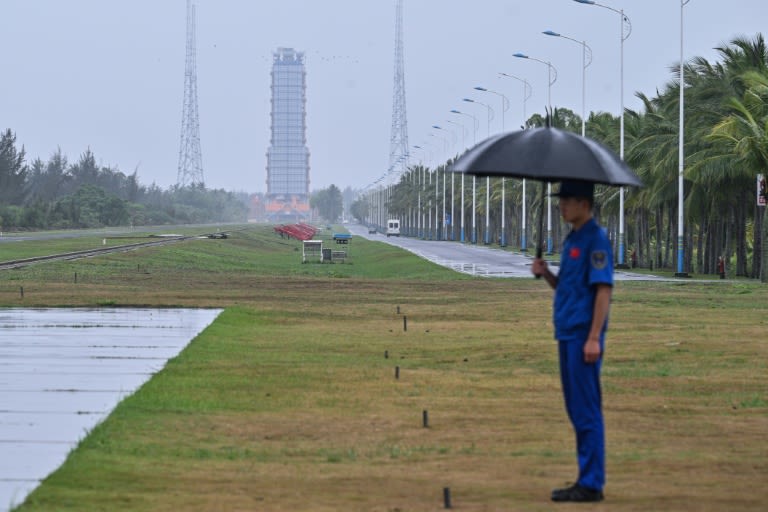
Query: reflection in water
{"points": [[63, 370]]}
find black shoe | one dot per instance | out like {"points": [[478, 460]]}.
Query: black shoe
{"points": [[577, 493]]}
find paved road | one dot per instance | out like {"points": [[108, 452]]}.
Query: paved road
{"points": [[477, 260], [63, 371]]}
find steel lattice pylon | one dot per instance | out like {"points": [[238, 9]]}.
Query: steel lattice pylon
{"points": [[398, 146], [190, 156]]}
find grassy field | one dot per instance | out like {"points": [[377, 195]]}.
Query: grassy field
{"points": [[289, 400]]}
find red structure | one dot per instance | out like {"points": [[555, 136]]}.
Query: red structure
{"points": [[300, 231]]}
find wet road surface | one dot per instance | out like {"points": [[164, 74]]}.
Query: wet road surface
{"points": [[64, 370], [478, 260]]}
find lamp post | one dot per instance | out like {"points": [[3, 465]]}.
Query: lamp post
{"points": [[552, 78], [437, 180], [490, 115], [439, 232], [453, 195], [463, 132], [445, 219], [625, 29], [504, 103], [504, 108], [419, 180], [681, 158], [475, 124], [585, 51], [412, 229], [527, 91]]}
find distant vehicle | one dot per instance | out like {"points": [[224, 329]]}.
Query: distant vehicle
{"points": [[371, 230], [393, 227]]}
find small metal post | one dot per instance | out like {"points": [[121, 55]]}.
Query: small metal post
{"points": [[425, 418], [21, 291], [75, 277], [386, 354], [397, 372], [447, 497], [405, 323]]}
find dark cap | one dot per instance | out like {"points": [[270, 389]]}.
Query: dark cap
{"points": [[575, 188]]}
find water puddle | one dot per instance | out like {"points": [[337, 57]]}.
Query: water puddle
{"points": [[64, 370]]}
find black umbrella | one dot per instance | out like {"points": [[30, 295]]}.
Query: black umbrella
{"points": [[547, 155]]}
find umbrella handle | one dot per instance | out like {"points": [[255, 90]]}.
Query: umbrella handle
{"points": [[539, 246], [539, 254]]}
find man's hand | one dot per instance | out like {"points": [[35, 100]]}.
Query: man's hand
{"points": [[539, 267], [592, 350]]}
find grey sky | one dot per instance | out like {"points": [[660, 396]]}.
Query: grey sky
{"points": [[109, 74]]}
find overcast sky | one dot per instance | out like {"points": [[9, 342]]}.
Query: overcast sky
{"points": [[109, 74]]}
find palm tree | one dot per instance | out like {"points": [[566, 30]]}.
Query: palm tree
{"points": [[745, 132]]}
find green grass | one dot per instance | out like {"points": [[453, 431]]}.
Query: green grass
{"points": [[287, 402]]}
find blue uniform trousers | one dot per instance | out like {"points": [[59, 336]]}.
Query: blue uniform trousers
{"points": [[581, 390]]}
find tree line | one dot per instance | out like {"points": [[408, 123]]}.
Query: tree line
{"points": [[57, 194], [328, 202], [725, 146]]}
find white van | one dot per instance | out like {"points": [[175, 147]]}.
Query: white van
{"points": [[393, 227]]}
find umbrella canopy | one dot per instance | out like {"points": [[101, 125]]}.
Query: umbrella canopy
{"points": [[546, 154]]}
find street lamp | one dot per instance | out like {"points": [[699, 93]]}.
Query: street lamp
{"points": [[475, 124], [625, 29], [413, 229], [453, 195], [681, 158], [440, 232], [504, 103], [585, 50], [463, 132], [552, 75], [420, 181], [451, 222], [437, 181], [527, 91], [490, 116], [504, 108]]}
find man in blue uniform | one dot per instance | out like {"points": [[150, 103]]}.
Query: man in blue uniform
{"points": [[582, 299]]}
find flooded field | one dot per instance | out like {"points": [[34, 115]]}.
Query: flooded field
{"points": [[63, 370]]}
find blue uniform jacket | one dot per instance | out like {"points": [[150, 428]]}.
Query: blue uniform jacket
{"points": [[586, 260]]}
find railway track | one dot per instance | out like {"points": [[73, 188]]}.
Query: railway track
{"points": [[89, 253]]}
